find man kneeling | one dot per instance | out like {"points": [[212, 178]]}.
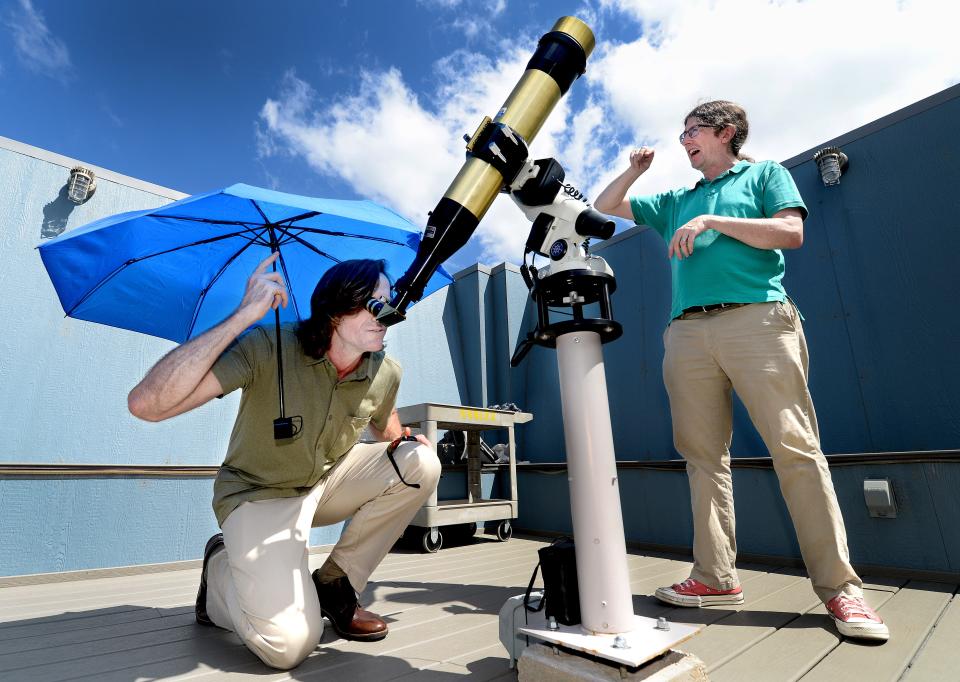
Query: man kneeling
{"points": [[269, 493]]}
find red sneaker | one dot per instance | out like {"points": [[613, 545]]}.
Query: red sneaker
{"points": [[855, 619], [694, 593]]}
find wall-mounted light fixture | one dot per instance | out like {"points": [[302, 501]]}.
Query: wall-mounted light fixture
{"points": [[82, 185], [832, 164]]}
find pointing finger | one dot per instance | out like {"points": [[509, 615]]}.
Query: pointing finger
{"points": [[266, 262]]}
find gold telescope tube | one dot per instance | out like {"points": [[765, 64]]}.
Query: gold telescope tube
{"points": [[560, 58], [525, 111]]}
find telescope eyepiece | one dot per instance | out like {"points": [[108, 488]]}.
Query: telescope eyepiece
{"points": [[593, 223], [385, 313]]}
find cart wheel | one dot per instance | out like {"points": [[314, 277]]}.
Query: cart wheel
{"points": [[504, 531], [429, 545], [471, 530]]}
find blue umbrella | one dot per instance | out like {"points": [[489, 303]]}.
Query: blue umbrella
{"points": [[177, 270]]}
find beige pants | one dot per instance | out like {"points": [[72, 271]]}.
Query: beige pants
{"points": [[261, 588], [759, 351]]}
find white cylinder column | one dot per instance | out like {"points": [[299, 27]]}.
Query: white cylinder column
{"points": [[606, 603]]}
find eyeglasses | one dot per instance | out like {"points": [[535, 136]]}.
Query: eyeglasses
{"points": [[694, 130]]}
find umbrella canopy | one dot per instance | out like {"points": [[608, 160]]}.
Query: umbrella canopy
{"points": [[178, 270]]}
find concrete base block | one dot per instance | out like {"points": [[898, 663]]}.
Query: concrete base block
{"points": [[543, 663]]}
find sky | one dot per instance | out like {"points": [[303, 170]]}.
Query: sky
{"points": [[370, 99]]}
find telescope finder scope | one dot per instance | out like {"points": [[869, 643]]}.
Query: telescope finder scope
{"points": [[495, 153]]}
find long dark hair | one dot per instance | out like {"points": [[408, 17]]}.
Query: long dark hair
{"points": [[343, 289], [722, 113]]}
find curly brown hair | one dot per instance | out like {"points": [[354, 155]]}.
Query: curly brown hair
{"points": [[722, 113], [343, 289]]}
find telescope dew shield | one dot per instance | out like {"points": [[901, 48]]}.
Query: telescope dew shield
{"points": [[560, 58]]}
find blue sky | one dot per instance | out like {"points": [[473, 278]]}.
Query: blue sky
{"points": [[369, 99], [170, 92]]}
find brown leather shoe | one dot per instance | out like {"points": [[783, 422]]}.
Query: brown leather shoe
{"points": [[213, 544], [338, 603]]}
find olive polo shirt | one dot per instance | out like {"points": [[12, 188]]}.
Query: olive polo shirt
{"points": [[722, 269], [335, 413]]}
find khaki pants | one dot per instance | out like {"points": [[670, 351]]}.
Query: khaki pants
{"points": [[759, 351], [261, 587]]}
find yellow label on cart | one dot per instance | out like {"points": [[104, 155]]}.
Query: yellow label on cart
{"points": [[477, 415]]}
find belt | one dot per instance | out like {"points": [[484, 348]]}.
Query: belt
{"points": [[708, 308]]}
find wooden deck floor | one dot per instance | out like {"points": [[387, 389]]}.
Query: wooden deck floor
{"points": [[442, 611]]}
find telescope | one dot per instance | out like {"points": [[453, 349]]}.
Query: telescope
{"points": [[496, 152], [563, 223]]}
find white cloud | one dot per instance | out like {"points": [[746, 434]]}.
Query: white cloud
{"points": [[38, 49], [394, 148], [805, 71], [380, 140], [474, 21]]}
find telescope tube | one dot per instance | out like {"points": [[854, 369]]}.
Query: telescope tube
{"points": [[560, 58]]}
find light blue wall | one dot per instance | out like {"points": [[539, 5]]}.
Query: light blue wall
{"points": [[65, 381], [428, 346], [63, 387], [471, 295], [71, 524]]}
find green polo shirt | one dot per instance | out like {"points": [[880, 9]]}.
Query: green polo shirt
{"points": [[335, 413], [723, 269]]}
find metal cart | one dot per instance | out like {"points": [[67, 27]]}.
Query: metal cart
{"points": [[429, 417]]}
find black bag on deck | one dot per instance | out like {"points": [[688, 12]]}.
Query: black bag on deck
{"points": [[561, 597]]}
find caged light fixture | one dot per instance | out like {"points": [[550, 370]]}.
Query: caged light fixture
{"points": [[832, 163], [82, 184]]}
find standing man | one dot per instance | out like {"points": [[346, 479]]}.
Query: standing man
{"points": [[733, 327], [269, 493]]}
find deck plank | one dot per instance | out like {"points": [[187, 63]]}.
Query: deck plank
{"points": [[422, 644], [23, 646], [883, 583], [786, 597], [790, 652], [939, 657], [67, 622], [910, 614]]}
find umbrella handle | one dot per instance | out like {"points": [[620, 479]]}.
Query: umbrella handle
{"points": [[283, 427], [276, 314]]}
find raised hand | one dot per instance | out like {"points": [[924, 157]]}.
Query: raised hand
{"points": [[640, 159], [265, 290]]}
